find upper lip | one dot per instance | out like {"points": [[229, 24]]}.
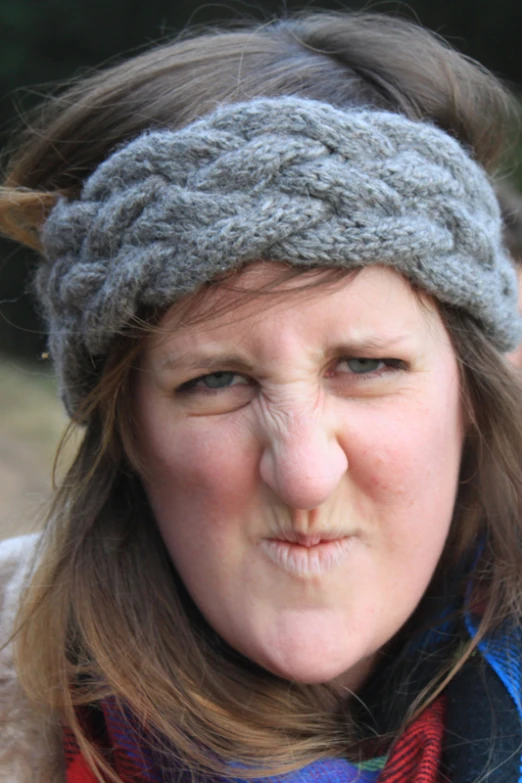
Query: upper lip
{"points": [[309, 539]]}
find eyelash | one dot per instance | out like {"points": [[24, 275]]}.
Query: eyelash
{"points": [[390, 365], [192, 387]]}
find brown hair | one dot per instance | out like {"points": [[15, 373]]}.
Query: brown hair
{"points": [[105, 602], [345, 59]]}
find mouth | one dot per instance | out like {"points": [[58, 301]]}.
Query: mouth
{"points": [[307, 555]]}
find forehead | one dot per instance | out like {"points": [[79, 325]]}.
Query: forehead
{"points": [[375, 305]]}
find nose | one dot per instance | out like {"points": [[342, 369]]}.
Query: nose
{"points": [[304, 463]]}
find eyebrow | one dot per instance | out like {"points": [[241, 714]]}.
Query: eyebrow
{"points": [[209, 361], [204, 361]]}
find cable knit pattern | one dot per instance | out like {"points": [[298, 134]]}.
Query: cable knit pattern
{"points": [[283, 179]]}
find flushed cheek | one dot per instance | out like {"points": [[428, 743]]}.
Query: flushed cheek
{"points": [[195, 470], [398, 474], [391, 448], [395, 480]]}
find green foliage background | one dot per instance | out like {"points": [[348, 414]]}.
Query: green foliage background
{"points": [[47, 41]]}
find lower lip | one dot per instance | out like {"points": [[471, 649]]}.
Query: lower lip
{"points": [[300, 560]]}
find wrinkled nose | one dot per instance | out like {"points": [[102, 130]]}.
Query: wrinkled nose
{"points": [[304, 464]]}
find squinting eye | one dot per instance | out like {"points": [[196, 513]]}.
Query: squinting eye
{"points": [[360, 366], [218, 380], [214, 380]]}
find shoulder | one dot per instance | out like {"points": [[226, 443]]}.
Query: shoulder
{"points": [[26, 748], [16, 558]]}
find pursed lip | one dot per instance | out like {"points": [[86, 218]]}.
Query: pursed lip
{"points": [[310, 554], [310, 539]]}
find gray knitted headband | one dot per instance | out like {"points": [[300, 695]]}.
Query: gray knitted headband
{"points": [[283, 179]]}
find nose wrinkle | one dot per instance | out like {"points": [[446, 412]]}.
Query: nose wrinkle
{"points": [[303, 466]]}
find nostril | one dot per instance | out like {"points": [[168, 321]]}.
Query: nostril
{"points": [[304, 473]]}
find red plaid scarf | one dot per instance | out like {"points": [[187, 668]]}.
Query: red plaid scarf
{"points": [[415, 757]]}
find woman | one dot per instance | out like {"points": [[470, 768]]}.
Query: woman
{"points": [[278, 303]]}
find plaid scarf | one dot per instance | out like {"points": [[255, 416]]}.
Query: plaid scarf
{"points": [[415, 757], [473, 731]]}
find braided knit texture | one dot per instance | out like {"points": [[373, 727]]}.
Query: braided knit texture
{"points": [[282, 179]]}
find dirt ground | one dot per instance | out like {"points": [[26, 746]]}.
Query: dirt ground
{"points": [[31, 424]]}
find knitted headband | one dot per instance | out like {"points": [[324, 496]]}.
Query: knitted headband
{"points": [[283, 179]]}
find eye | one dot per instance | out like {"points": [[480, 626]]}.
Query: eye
{"points": [[364, 365], [218, 380], [214, 393], [213, 382], [360, 366]]}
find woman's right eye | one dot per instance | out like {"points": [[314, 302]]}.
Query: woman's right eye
{"points": [[214, 381]]}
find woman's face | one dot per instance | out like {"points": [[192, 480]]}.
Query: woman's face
{"points": [[302, 458]]}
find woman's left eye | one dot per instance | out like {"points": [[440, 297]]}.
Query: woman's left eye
{"points": [[213, 382], [367, 366]]}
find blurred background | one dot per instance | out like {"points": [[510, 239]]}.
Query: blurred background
{"points": [[47, 42]]}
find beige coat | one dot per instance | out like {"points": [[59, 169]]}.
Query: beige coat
{"points": [[30, 750]]}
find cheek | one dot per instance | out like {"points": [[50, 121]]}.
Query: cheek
{"points": [[201, 481], [194, 469], [415, 453], [408, 465]]}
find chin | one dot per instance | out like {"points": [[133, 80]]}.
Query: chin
{"points": [[308, 647], [313, 677], [318, 670]]}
